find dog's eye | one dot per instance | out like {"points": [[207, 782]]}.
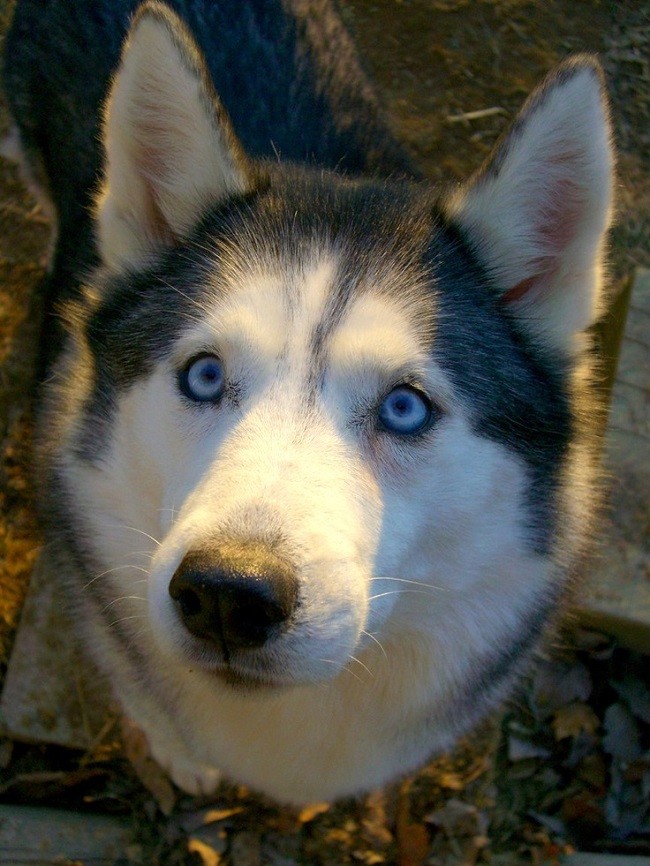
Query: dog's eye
{"points": [[202, 379], [405, 411]]}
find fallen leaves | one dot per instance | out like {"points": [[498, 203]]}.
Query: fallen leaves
{"points": [[463, 834], [577, 754], [312, 811]]}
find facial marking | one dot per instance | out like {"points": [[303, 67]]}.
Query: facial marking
{"points": [[375, 333], [265, 317]]}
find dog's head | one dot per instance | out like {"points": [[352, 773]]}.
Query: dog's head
{"points": [[340, 408]]}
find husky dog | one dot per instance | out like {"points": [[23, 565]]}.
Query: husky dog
{"points": [[314, 447]]}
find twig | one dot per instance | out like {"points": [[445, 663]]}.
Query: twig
{"points": [[475, 115]]}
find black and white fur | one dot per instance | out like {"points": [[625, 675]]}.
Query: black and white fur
{"points": [[225, 187]]}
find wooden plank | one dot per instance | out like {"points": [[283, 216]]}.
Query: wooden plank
{"points": [[35, 835], [586, 859], [618, 591]]}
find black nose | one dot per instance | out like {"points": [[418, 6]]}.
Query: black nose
{"points": [[235, 596]]}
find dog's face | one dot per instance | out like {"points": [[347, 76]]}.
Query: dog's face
{"points": [[290, 438], [333, 412]]}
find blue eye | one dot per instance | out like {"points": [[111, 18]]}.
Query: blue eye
{"points": [[405, 411], [202, 379]]}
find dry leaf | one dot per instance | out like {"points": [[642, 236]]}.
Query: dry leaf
{"points": [[375, 823], [312, 811], [457, 818], [370, 858], [209, 857], [574, 719], [211, 816], [191, 821], [557, 684], [622, 738], [635, 693], [522, 750], [450, 781]]}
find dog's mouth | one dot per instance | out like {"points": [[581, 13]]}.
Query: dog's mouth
{"points": [[248, 670], [257, 670]]}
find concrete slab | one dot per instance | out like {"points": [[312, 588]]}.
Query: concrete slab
{"points": [[34, 835], [618, 591], [52, 694]]}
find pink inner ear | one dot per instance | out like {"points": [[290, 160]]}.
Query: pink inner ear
{"points": [[153, 167], [560, 212], [562, 208], [516, 293]]}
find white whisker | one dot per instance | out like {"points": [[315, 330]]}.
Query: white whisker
{"points": [[135, 529], [379, 644], [172, 510], [124, 618], [111, 571], [365, 667], [123, 598], [345, 669], [399, 592], [415, 582]]}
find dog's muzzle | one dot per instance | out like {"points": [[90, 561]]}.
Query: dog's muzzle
{"points": [[236, 596]]}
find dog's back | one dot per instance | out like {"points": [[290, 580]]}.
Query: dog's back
{"points": [[286, 72]]}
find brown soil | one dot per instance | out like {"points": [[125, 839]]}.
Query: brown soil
{"points": [[433, 60]]}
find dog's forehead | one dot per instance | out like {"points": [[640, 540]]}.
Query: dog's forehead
{"points": [[320, 302]]}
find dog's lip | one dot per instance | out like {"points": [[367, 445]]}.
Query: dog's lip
{"points": [[237, 675], [253, 674], [241, 678]]}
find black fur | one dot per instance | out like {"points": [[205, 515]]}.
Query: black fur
{"points": [[286, 72]]}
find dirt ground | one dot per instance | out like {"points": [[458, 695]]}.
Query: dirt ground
{"points": [[434, 61]]}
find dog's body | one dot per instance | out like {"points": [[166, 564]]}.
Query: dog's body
{"points": [[317, 473]]}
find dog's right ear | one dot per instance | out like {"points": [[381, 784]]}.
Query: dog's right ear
{"points": [[170, 151], [538, 211]]}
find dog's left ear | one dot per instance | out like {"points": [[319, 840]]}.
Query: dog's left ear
{"points": [[170, 151], [537, 213]]}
